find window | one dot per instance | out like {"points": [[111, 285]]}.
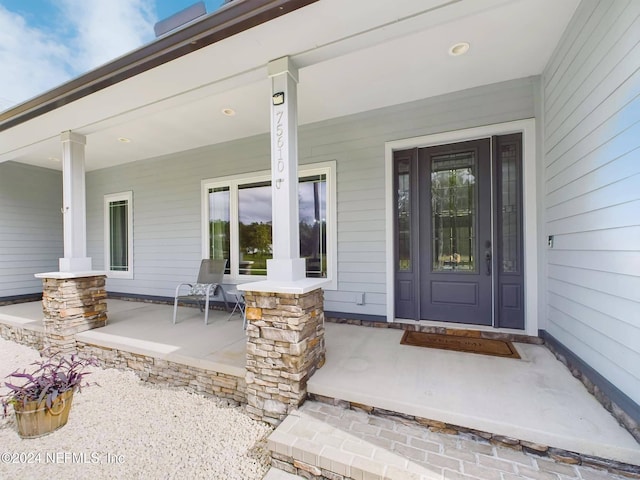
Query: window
{"points": [[254, 228], [237, 222], [118, 231]]}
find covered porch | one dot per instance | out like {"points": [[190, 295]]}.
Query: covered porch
{"points": [[534, 399]]}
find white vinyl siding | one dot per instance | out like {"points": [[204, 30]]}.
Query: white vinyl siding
{"points": [[592, 181], [168, 239], [30, 226]]}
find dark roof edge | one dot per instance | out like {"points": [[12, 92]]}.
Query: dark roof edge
{"points": [[236, 17]]}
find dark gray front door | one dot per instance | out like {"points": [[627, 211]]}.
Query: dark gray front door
{"points": [[455, 232], [445, 265]]}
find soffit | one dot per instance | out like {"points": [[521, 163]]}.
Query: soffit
{"points": [[354, 56]]}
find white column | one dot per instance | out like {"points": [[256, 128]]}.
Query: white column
{"points": [[74, 204], [286, 265]]}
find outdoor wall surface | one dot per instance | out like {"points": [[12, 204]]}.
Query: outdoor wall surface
{"points": [[30, 226], [592, 181], [167, 191]]}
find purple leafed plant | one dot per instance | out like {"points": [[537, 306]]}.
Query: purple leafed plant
{"points": [[51, 378]]}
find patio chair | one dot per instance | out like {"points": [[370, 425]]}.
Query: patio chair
{"points": [[238, 296], [208, 283]]}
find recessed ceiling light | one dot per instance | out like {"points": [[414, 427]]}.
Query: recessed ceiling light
{"points": [[229, 112], [124, 140], [459, 49], [53, 159]]}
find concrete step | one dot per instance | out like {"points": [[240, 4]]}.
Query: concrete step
{"points": [[326, 441]]}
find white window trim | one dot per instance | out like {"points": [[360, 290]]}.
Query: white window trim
{"points": [[117, 197], [233, 181], [530, 211]]}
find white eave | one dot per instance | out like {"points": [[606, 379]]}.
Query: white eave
{"points": [[353, 56]]}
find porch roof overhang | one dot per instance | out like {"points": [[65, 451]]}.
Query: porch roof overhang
{"points": [[353, 56], [230, 20]]}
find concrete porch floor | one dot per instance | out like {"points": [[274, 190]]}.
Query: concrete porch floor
{"points": [[148, 329], [534, 399]]}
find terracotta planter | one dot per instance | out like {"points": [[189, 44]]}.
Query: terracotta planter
{"points": [[34, 419]]}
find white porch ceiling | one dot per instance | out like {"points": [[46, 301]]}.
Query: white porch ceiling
{"points": [[354, 55]]}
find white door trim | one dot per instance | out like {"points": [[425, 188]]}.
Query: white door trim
{"points": [[528, 129]]}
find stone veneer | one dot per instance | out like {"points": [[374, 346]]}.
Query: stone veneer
{"points": [[24, 336], [71, 305], [285, 346], [163, 372], [148, 368], [627, 421]]}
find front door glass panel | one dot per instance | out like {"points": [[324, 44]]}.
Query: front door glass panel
{"points": [[453, 207]]}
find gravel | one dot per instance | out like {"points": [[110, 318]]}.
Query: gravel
{"points": [[127, 429]]}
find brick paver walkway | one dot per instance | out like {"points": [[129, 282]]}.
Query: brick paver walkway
{"points": [[355, 444]]}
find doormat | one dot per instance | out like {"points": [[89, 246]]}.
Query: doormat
{"points": [[484, 346]]}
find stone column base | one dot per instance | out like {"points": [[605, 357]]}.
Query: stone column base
{"points": [[71, 305], [285, 346]]}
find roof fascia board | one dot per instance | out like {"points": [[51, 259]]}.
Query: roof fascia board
{"points": [[235, 18]]}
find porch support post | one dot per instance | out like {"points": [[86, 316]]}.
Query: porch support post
{"points": [[286, 265], [285, 312], [74, 204], [73, 299]]}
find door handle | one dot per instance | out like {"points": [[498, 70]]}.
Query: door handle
{"points": [[487, 257]]}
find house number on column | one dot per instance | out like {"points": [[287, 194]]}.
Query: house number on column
{"points": [[280, 145]]}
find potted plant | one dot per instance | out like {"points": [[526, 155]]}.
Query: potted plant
{"points": [[41, 400]]}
